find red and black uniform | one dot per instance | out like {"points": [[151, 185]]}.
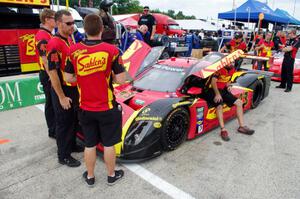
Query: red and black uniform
{"points": [[287, 68], [93, 62], [223, 78], [238, 46], [58, 50], [42, 37], [265, 51]]}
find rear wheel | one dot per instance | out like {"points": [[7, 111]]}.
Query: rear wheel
{"points": [[175, 128], [257, 93]]}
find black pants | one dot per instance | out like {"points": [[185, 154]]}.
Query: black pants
{"points": [[66, 122], [49, 110], [287, 70]]}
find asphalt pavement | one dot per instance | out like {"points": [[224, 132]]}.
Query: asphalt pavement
{"points": [[265, 165]]}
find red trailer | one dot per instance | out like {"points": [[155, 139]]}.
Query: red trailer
{"points": [[19, 23]]}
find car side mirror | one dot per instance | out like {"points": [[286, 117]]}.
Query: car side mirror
{"points": [[194, 91]]}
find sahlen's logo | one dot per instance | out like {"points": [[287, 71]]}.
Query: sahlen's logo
{"points": [[91, 63], [29, 39]]}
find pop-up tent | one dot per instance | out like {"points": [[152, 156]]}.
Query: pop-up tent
{"points": [[251, 9], [283, 13]]}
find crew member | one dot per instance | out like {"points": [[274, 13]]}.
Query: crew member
{"points": [[100, 115], [235, 44], [264, 50], [64, 95], [141, 33], [219, 93], [287, 68], [148, 20], [109, 31], [42, 37]]}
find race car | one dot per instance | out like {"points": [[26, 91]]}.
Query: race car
{"points": [[163, 105], [276, 63]]}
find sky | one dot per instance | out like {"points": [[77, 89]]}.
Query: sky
{"points": [[210, 8]]}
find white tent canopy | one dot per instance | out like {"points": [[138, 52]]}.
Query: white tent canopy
{"points": [[196, 24]]}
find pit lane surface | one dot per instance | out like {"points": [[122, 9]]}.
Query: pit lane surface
{"points": [[265, 165]]}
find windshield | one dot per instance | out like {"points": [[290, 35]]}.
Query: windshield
{"points": [[161, 78], [174, 27]]}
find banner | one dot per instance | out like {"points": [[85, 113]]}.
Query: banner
{"points": [[28, 2], [21, 92]]}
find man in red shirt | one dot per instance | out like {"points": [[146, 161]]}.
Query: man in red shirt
{"points": [[64, 95], [235, 44], [264, 50], [42, 37], [94, 65], [287, 68], [219, 93]]}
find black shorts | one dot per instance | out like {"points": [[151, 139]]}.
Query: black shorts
{"points": [[101, 126], [228, 98]]}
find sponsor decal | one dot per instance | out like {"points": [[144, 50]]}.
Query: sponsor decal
{"points": [[211, 113], [148, 118], [135, 46], [20, 93], [126, 94], [91, 63], [146, 111], [200, 117], [139, 102], [244, 98], [157, 125], [168, 68], [29, 39], [181, 104]]}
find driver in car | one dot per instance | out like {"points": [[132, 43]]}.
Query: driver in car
{"points": [[219, 93]]}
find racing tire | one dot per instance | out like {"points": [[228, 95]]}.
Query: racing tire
{"points": [[258, 89], [175, 128]]}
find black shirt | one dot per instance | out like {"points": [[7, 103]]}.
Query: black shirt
{"points": [[295, 43], [147, 20]]}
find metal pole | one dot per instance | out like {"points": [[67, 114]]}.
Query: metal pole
{"points": [[294, 8], [234, 14], [248, 9]]}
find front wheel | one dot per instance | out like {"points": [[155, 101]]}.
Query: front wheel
{"points": [[175, 128], [257, 93]]}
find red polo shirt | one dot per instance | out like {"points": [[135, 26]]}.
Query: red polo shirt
{"points": [[223, 77], [42, 38], [235, 46], [93, 62]]}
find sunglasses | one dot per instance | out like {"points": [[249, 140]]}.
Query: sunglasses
{"points": [[70, 23], [50, 17], [146, 10]]}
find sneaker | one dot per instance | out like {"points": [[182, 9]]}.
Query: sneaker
{"points": [[113, 180], [280, 86], [245, 130], [90, 181], [224, 135], [70, 162]]}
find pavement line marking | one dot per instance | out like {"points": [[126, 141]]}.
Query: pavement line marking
{"points": [[151, 178], [3, 141], [159, 183]]}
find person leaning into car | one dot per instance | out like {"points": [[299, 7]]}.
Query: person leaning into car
{"points": [[287, 68], [219, 92], [94, 65]]}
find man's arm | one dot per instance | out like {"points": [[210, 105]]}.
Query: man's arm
{"points": [[42, 46], [218, 97], [69, 73], [53, 60], [153, 32], [287, 49], [119, 73]]}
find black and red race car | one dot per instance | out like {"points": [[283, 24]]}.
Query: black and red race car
{"points": [[276, 63], [163, 107]]}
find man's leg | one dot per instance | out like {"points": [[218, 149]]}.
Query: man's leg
{"points": [[239, 111], [110, 160], [219, 110], [289, 75], [90, 160]]}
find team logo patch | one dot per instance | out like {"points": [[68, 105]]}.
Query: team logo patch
{"points": [[91, 63]]}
